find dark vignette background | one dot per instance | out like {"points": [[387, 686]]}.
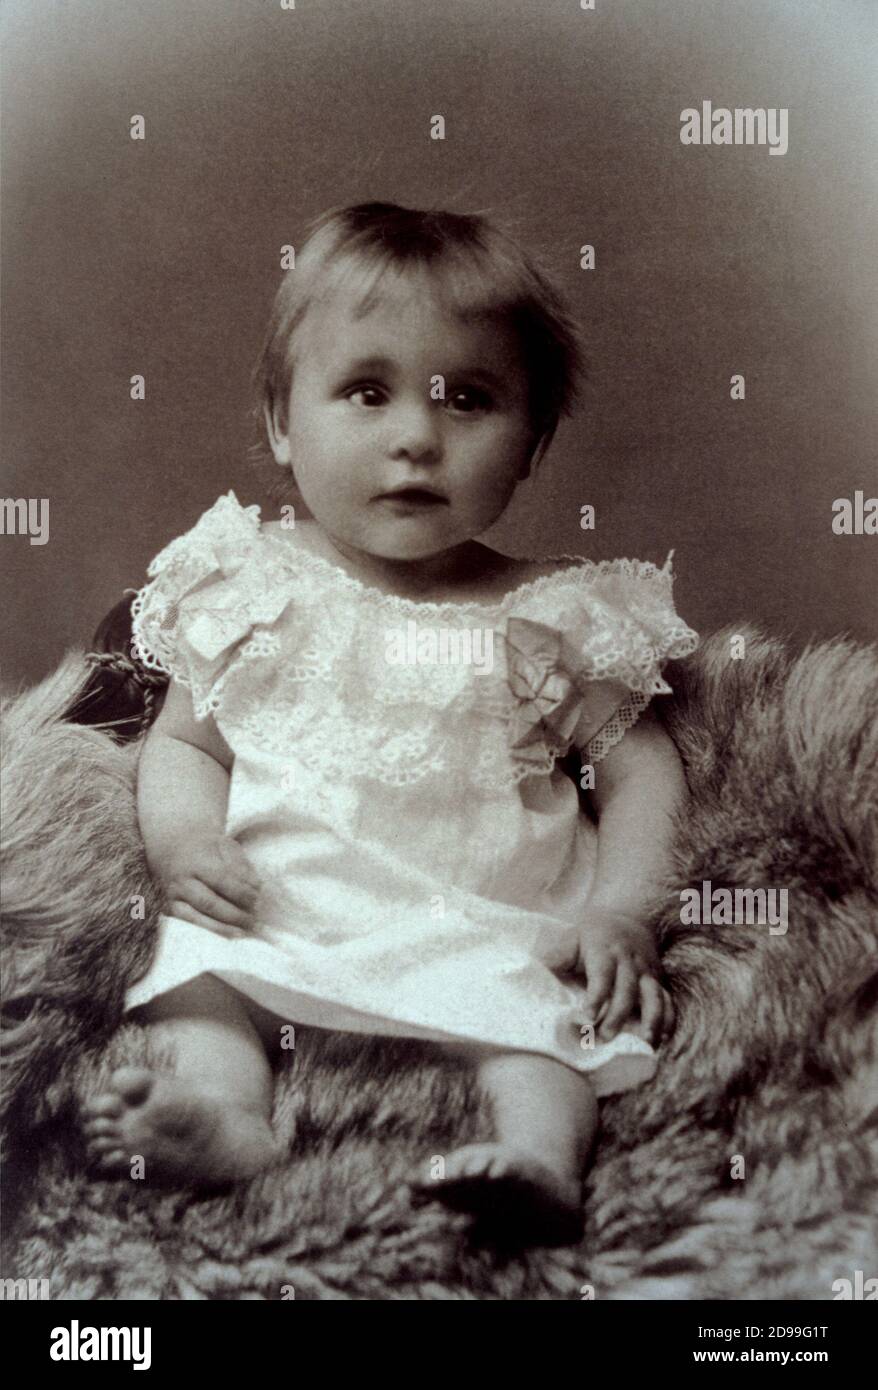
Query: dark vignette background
{"points": [[161, 257]]}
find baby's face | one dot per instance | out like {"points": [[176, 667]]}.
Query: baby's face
{"points": [[383, 466]]}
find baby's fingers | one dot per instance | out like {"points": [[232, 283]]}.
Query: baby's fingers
{"points": [[237, 873], [652, 1008], [625, 996], [600, 977], [670, 1016], [187, 913], [228, 884], [202, 898]]}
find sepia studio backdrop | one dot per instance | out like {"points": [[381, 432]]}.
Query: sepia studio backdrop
{"points": [[161, 257]]}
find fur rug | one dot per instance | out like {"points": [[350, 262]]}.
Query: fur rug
{"points": [[774, 1061]]}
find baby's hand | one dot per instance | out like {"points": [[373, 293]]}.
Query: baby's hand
{"points": [[208, 880], [618, 956]]}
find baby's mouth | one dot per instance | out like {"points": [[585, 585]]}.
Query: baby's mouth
{"points": [[414, 497]]}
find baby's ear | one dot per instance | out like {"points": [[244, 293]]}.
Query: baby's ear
{"points": [[538, 448], [276, 429]]}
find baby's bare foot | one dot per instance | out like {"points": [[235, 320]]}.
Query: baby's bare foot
{"points": [[510, 1190], [184, 1134]]}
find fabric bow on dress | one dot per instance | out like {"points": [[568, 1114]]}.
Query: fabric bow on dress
{"points": [[216, 617], [549, 699], [208, 596], [556, 705]]}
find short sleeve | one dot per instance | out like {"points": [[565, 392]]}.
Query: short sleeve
{"points": [[206, 591], [582, 677], [627, 628]]}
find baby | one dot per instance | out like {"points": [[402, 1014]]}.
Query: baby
{"points": [[358, 826]]}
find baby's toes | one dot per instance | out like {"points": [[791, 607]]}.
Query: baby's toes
{"points": [[105, 1106], [99, 1126], [111, 1160], [472, 1161], [104, 1146], [132, 1085]]}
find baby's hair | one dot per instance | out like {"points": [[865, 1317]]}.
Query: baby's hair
{"points": [[477, 268]]}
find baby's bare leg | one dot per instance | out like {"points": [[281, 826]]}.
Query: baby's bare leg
{"points": [[210, 1122], [529, 1179], [542, 1106]]}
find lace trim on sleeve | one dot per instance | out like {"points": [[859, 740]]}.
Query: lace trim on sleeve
{"points": [[633, 626], [611, 733], [217, 546]]}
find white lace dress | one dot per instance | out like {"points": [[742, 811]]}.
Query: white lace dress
{"points": [[424, 859]]}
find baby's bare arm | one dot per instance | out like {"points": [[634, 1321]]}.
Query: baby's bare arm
{"points": [[182, 798], [638, 787], [182, 778]]}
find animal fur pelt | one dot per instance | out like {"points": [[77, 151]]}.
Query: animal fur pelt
{"points": [[748, 1168]]}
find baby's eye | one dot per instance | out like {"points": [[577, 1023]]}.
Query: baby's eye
{"points": [[374, 394], [469, 398]]}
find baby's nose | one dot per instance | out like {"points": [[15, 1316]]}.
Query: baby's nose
{"points": [[416, 433]]}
